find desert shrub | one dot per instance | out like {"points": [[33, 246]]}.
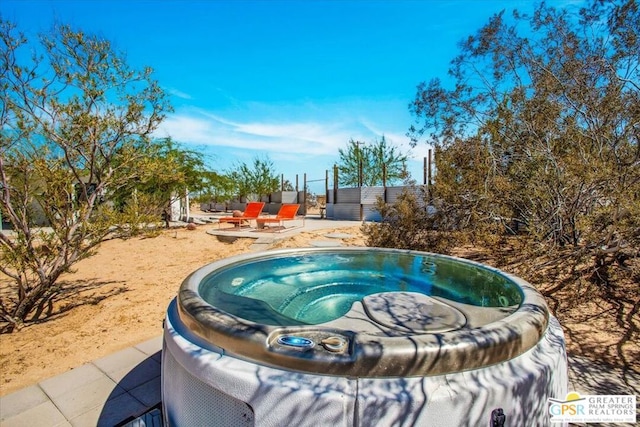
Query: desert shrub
{"points": [[409, 223]]}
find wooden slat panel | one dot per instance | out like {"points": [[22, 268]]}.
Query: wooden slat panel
{"points": [[347, 211], [369, 195], [370, 214], [348, 195]]}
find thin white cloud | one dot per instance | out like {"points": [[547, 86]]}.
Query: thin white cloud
{"points": [[179, 94], [304, 137]]}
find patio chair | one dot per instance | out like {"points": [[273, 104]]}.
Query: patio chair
{"points": [[251, 211], [287, 212]]}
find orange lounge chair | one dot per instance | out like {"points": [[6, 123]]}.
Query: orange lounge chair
{"points": [[286, 213], [251, 211]]}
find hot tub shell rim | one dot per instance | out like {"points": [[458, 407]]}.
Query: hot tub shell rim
{"points": [[415, 355]]}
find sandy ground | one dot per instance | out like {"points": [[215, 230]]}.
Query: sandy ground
{"points": [[118, 298]]}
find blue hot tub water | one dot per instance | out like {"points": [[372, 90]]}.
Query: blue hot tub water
{"points": [[318, 288]]}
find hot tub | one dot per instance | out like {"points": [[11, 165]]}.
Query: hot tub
{"points": [[358, 337]]}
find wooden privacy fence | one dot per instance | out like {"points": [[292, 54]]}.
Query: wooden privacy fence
{"points": [[358, 203]]}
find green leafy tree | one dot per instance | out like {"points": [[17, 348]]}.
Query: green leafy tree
{"points": [[166, 173], [217, 188], [256, 180], [74, 131], [287, 186], [372, 164], [541, 128]]}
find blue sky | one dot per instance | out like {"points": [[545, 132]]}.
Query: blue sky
{"points": [[291, 80]]}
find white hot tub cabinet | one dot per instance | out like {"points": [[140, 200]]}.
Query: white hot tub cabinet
{"points": [[203, 386]]}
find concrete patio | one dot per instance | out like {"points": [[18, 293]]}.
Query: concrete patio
{"points": [[106, 392]]}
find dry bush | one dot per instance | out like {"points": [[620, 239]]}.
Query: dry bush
{"points": [[408, 224]]}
